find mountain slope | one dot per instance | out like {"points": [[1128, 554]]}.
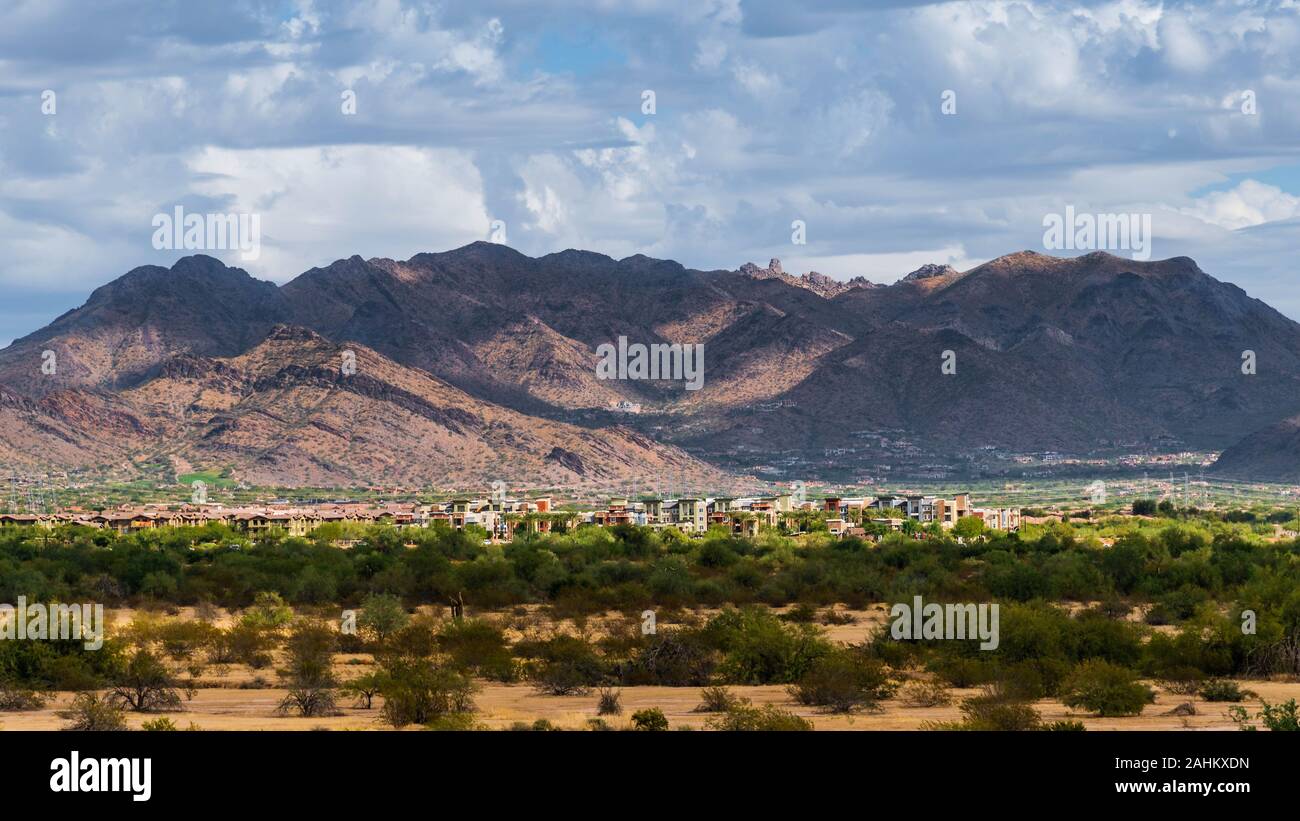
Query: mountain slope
{"points": [[482, 359]]}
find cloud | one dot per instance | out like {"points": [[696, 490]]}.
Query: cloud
{"points": [[1249, 203], [767, 112]]}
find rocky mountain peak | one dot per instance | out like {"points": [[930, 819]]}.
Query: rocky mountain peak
{"points": [[929, 271]]}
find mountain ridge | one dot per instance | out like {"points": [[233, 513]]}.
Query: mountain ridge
{"points": [[1088, 352]]}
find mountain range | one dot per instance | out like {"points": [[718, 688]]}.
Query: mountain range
{"points": [[479, 364]]}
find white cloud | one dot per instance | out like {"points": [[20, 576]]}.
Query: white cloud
{"points": [[322, 204], [1250, 203]]}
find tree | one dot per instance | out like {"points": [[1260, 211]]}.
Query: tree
{"points": [[145, 685], [968, 527], [1144, 507], [269, 612], [382, 614], [364, 688], [309, 671]]}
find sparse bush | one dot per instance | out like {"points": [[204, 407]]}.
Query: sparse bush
{"points": [[1224, 690], [802, 613], [1106, 689], [650, 719], [718, 700], [564, 666], [609, 703], [16, 699], [1183, 681], [1064, 726], [162, 724], [843, 681], [932, 693], [418, 692], [992, 711], [90, 712], [768, 718], [1284, 717], [478, 646], [673, 658]]}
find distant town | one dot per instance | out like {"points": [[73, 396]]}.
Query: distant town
{"points": [[503, 518]]}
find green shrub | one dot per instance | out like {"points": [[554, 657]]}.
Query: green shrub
{"points": [[1224, 690], [843, 681], [90, 712], [651, 719], [1106, 689], [768, 718], [718, 700]]}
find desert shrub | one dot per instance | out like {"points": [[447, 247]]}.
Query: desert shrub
{"points": [[1183, 681], [1177, 605], [992, 711], [454, 722], [718, 700], [145, 685], [90, 712], [1064, 726], [758, 648], [479, 646], [417, 638], [1106, 689], [17, 699], [162, 724], [541, 725], [417, 691], [1223, 690], [609, 703], [843, 681], [650, 719], [183, 639], [672, 658], [246, 643], [564, 665], [930, 693], [833, 616], [1284, 717], [802, 613], [961, 671], [768, 718], [1031, 679]]}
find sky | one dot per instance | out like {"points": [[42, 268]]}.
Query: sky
{"points": [[895, 133]]}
